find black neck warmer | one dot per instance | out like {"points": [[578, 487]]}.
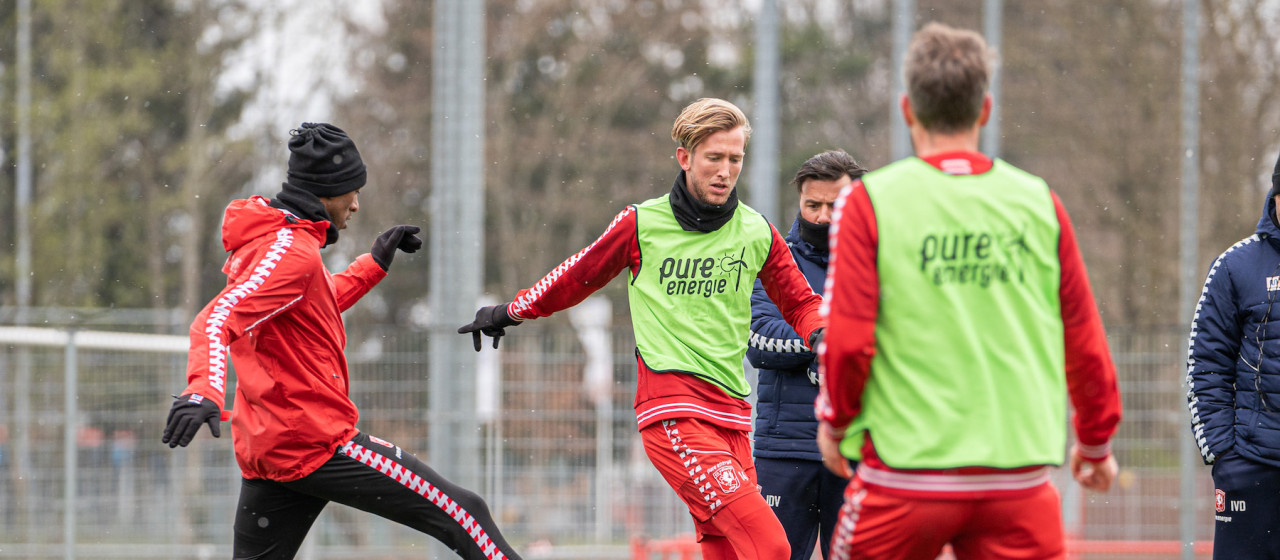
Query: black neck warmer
{"points": [[696, 215], [307, 206], [814, 234]]}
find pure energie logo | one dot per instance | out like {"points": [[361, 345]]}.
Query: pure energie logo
{"points": [[977, 258], [702, 276]]}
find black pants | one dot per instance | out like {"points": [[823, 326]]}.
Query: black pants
{"points": [[806, 497], [1246, 509], [375, 476]]}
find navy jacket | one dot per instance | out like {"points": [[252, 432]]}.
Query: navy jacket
{"points": [[785, 425], [1233, 363]]}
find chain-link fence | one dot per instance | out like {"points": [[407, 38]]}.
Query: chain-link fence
{"points": [[85, 474]]}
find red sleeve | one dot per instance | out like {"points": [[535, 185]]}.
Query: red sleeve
{"points": [[852, 304], [1091, 375], [789, 290], [275, 281], [582, 274], [353, 283]]}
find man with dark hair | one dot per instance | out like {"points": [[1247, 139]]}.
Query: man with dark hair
{"points": [[804, 494], [279, 318], [961, 321], [1234, 388], [690, 304]]}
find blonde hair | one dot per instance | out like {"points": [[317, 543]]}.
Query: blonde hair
{"points": [[947, 71], [705, 117]]}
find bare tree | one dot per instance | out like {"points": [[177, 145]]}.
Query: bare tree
{"points": [[1240, 116]]}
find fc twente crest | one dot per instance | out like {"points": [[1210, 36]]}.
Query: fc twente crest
{"points": [[727, 477]]}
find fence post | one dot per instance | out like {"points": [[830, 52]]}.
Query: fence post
{"points": [[69, 458], [593, 322]]}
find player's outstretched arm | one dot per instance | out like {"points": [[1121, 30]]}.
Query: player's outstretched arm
{"points": [[491, 320]]}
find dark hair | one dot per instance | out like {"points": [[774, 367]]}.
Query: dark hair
{"points": [[947, 71], [828, 166]]}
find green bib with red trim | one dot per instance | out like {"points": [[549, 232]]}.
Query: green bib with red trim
{"points": [[691, 299], [969, 362]]}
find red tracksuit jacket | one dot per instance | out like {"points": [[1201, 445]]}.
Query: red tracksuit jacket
{"points": [[279, 320]]}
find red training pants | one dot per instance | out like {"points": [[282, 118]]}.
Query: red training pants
{"points": [[710, 468], [875, 524]]}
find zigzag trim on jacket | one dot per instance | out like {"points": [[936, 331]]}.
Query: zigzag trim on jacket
{"points": [[531, 296], [1193, 402], [823, 411], [781, 345], [222, 309]]}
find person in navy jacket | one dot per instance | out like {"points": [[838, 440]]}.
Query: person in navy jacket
{"points": [[1233, 370], [804, 495]]}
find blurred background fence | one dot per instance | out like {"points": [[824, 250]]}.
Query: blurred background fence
{"points": [[84, 474]]}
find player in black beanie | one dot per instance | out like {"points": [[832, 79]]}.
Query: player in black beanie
{"points": [[324, 168], [324, 160], [279, 320]]}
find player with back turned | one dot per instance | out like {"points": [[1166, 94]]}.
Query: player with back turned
{"points": [[961, 321]]}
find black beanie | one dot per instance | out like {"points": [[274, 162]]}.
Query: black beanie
{"points": [[324, 161]]}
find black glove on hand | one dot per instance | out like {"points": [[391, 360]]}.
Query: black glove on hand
{"points": [[816, 338], [185, 418], [398, 237], [492, 321]]}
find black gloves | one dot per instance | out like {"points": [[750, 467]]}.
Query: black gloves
{"points": [[492, 321], [185, 418], [816, 338], [398, 237]]}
